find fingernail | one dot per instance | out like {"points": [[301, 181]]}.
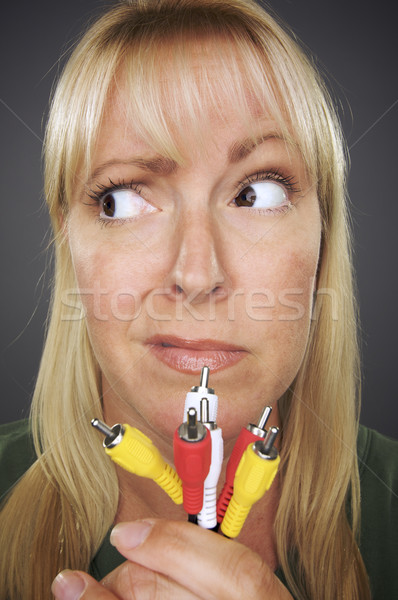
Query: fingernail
{"points": [[68, 586], [130, 535]]}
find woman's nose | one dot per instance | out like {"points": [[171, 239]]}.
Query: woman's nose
{"points": [[197, 271]]}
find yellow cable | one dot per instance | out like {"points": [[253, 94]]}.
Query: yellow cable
{"points": [[254, 476], [136, 453]]}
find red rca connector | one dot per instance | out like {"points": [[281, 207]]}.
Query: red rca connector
{"points": [[248, 435], [192, 457]]}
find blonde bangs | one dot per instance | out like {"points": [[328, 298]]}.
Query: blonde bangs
{"points": [[167, 61]]}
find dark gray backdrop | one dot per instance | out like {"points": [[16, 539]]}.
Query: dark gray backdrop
{"points": [[356, 44]]}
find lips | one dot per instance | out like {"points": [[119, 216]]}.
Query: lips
{"points": [[189, 355]]}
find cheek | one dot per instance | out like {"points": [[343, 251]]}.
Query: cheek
{"points": [[280, 279], [296, 285], [114, 265], [292, 299], [278, 305], [110, 282]]}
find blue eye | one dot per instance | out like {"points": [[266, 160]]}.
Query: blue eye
{"points": [[263, 194], [124, 204]]}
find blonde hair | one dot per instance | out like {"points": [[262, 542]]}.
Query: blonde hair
{"points": [[72, 487]]}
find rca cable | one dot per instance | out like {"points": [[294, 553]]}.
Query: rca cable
{"points": [[198, 458]]}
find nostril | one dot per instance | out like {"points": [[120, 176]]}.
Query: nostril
{"points": [[178, 290]]}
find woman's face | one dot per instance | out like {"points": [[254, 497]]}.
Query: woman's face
{"points": [[211, 263]]}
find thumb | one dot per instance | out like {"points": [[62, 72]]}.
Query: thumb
{"points": [[76, 585]]}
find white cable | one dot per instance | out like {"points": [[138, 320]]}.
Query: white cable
{"points": [[203, 399], [207, 518], [193, 400], [194, 397]]}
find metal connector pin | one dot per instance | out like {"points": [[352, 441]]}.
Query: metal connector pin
{"points": [[204, 377], [270, 439], [264, 417], [204, 410], [203, 388], [192, 428], [102, 427]]}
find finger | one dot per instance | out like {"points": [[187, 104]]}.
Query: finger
{"points": [[135, 582], [76, 585], [127, 582], [204, 563]]}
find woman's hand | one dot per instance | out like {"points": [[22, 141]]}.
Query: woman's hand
{"points": [[170, 560]]}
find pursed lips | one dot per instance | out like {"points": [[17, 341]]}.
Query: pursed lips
{"points": [[190, 355]]}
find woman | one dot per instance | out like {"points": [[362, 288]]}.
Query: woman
{"points": [[198, 209]]}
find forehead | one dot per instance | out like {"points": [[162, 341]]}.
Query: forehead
{"points": [[223, 134], [205, 99]]}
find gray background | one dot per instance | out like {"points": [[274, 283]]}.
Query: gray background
{"points": [[356, 44]]}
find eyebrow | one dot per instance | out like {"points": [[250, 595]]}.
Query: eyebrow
{"points": [[156, 164], [240, 150], [162, 165]]}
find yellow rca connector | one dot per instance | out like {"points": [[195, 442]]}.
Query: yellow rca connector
{"points": [[132, 450], [254, 476]]}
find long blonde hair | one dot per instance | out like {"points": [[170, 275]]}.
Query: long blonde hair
{"points": [[72, 487]]}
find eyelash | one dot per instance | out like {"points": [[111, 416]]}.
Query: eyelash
{"points": [[110, 222], [102, 190], [288, 181]]}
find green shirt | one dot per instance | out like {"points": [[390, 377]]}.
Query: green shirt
{"points": [[378, 465]]}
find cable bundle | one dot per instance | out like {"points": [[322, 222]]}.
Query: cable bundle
{"points": [[198, 456]]}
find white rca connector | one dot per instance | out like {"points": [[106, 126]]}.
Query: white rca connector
{"points": [[194, 397], [207, 518]]}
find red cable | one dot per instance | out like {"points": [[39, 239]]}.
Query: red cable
{"points": [[247, 435], [192, 458]]}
